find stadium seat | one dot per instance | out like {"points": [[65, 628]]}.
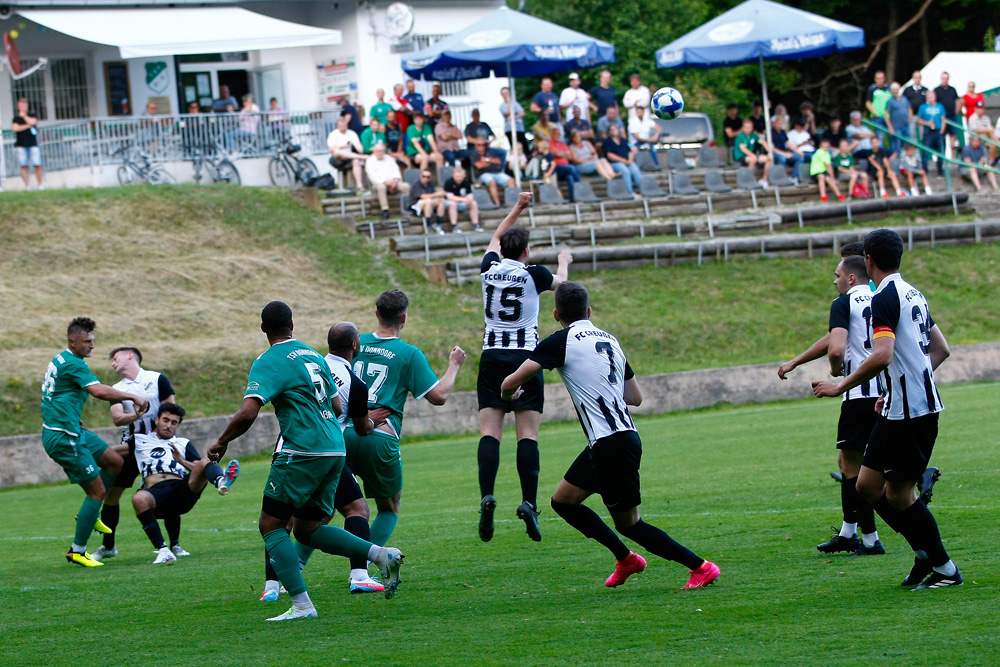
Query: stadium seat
{"points": [[411, 176], [650, 188], [444, 173], [683, 186], [779, 178], [510, 195], [644, 160], [549, 195], [616, 190], [583, 192], [484, 200], [676, 161], [804, 178], [745, 179], [714, 182], [708, 158]]}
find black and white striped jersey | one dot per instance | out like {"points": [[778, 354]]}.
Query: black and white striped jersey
{"points": [[899, 310], [510, 301], [351, 389], [154, 455], [154, 387], [853, 312], [594, 369]]}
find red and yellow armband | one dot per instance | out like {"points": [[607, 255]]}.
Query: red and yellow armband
{"points": [[883, 332]]}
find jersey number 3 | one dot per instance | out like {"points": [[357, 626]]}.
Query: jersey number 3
{"points": [[509, 299]]}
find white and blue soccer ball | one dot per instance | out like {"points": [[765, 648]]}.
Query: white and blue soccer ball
{"points": [[667, 103]]}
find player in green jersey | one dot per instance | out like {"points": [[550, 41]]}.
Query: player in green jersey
{"points": [[308, 459], [86, 458], [392, 369]]}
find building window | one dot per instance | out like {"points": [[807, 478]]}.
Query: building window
{"points": [[32, 88], [448, 88], [69, 88]]}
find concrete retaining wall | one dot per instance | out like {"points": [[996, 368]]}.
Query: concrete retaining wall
{"points": [[23, 461]]}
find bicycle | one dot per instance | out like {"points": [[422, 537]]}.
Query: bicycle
{"points": [[219, 169], [142, 170], [287, 168]]}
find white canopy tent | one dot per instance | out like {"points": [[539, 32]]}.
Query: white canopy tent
{"points": [[144, 33], [963, 67]]}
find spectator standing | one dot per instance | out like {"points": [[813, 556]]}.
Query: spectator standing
{"points": [[25, 126], [420, 144], [428, 199], [574, 96], [225, 102], [519, 133], [931, 118], [561, 157], [249, 119], [435, 106], [381, 108], [414, 100], [578, 124], [974, 155], [745, 149], [732, 124], [489, 167], [346, 151], [783, 155], [915, 94], [383, 174], [780, 111], [277, 118], [897, 117], [395, 139], [353, 116], [644, 132], [545, 103], [800, 140], [981, 124], [621, 156], [586, 160], [458, 194], [875, 100], [447, 136], [971, 99], [611, 118], [603, 95], [757, 116], [636, 96], [404, 113], [372, 135], [948, 97], [835, 133]]}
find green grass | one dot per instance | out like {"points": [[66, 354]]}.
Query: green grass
{"points": [[220, 254], [746, 487]]}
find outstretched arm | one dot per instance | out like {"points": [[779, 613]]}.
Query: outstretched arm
{"points": [[562, 270], [523, 201], [815, 351], [440, 393], [106, 393], [238, 425]]}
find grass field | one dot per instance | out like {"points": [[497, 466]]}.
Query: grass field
{"points": [[183, 272], [745, 487]]}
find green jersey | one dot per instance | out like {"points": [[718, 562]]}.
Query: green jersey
{"points": [[380, 111], [296, 379], [412, 132], [392, 368], [842, 160], [820, 161], [370, 138], [64, 392], [743, 139]]}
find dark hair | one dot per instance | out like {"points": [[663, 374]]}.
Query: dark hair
{"points": [[798, 120], [572, 302], [732, 105], [171, 409], [121, 348], [853, 248], [856, 264], [835, 117], [514, 242], [885, 247], [341, 336], [276, 319], [391, 305], [80, 325]]}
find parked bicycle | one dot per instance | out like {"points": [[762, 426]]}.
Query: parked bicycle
{"points": [[139, 169], [208, 158], [287, 168]]}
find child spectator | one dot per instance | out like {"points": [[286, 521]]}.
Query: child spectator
{"points": [[910, 165], [843, 163], [821, 168], [745, 147]]}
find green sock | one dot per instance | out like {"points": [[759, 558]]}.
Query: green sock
{"points": [[339, 542], [304, 552], [382, 527], [90, 511], [285, 560], [108, 479]]}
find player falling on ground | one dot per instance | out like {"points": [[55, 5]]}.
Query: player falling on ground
{"points": [[85, 458], [907, 347], [848, 345], [602, 385], [173, 475], [511, 294], [391, 369], [343, 341], [155, 388], [307, 462]]}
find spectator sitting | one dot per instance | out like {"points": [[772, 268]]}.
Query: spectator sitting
{"points": [[535, 167], [605, 123], [800, 141], [395, 140], [910, 165], [808, 114], [420, 144], [843, 163], [226, 102], [636, 96], [543, 128], [780, 111], [561, 159], [602, 95], [622, 158], [381, 108], [821, 169], [372, 135], [414, 100], [194, 107], [981, 124], [882, 162], [346, 151], [732, 125], [489, 167], [522, 138], [383, 174], [276, 116], [579, 124], [574, 96], [427, 199], [546, 101], [897, 117], [585, 158], [783, 155], [477, 130], [458, 193], [745, 148], [644, 132], [757, 116], [973, 155], [353, 116], [931, 116], [447, 136], [835, 134], [249, 122], [435, 106]]}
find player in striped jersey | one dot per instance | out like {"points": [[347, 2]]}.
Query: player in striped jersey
{"points": [[511, 294], [848, 344], [907, 346], [602, 385]]}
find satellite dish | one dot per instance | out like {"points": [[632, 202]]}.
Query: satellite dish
{"points": [[399, 20]]}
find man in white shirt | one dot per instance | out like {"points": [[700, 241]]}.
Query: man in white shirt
{"points": [[800, 141], [383, 174], [574, 96], [346, 150], [636, 96], [644, 132]]}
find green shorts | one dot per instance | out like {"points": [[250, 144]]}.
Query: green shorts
{"points": [[78, 455], [304, 481], [375, 459]]}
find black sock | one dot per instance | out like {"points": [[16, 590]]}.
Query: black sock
{"points": [[213, 472], [921, 531], [359, 527], [589, 523], [489, 464], [109, 517], [173, 526], [864, 512], [527, 470], [889, 515], [847, 500], [269, 573], [658, 542], [152, 528]]}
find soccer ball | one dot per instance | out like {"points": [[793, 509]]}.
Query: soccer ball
{"points": [[667, 103]]}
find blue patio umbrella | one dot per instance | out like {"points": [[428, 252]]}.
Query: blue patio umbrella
{"points": [[760, 30], [508, 43]]}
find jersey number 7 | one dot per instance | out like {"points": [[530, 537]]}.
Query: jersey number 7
{"points": [[378, 371], [605, 348]]}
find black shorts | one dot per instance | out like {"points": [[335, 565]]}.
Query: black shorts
{"points": [[130, 469], [348, 489], [173, 497], [857, 419], [610, 468], [900, 449], [494, 367]]}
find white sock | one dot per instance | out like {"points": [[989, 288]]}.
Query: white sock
{"points": [[948, 569], [78, 549], [301, 600], [881, 192], [373, 553], [869, 539], [927, 191], [848, 529], [359, 574], [920, 554], [271, 585]]}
